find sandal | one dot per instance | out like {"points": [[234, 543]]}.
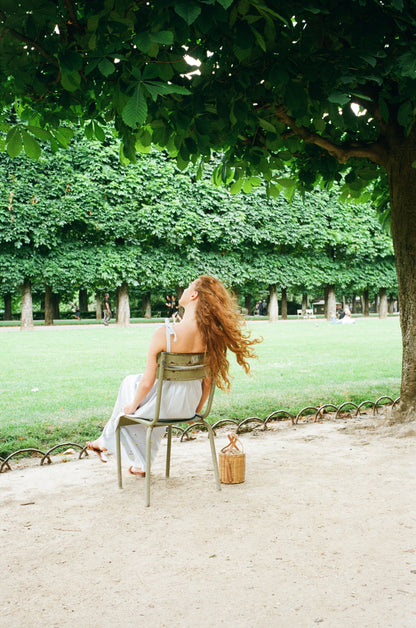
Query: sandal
{"points": [[100, 453], [137, 471]]}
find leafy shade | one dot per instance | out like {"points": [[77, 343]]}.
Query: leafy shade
{"points": [[240, 76]]}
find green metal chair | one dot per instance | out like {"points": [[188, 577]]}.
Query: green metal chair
{"points": [[171, 367]]}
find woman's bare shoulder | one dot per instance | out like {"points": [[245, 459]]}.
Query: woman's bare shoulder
{"points": [[158, 342], [188, 338]]}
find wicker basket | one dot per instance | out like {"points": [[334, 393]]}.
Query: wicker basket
{"points": [[232, 462]]}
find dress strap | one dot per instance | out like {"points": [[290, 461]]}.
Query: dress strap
{"points": [[169, 332]]}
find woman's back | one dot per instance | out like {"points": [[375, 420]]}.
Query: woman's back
{"points": [[187, 338]]}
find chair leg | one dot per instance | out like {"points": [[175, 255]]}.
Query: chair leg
{"points": [[149, 432], [168, 450], [214, 455], [118, 452]]}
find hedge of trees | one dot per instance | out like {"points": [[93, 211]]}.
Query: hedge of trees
{"points": [[81, 221]]}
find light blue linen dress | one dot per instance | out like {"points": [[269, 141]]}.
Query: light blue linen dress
{"points": [[179, 400]]}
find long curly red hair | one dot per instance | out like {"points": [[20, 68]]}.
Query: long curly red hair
{"points": [[221, 326]]}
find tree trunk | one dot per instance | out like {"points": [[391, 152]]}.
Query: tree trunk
{"points": [[273, 304], [284, 304], [391, 305], [354, 304], [331, 307], [26, 319], [98, 307], [382, 303], [83, 300], [402, 179], [247, 303], [7, 316], [304, 304], [56, 304], [376, 303], [123, 305], [326, 303], [147, 306], [48, 306], [366, 303]]}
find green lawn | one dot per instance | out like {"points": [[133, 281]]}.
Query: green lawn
{"points": [[60, 383]]}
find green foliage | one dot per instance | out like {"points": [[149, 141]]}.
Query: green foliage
{"points": [[81, 219], [125, 62]]}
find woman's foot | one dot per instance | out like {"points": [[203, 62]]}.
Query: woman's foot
{"points": [[137, 471], [92, 446]]}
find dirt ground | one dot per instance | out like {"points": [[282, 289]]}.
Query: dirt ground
{"points": [[323, 531]]}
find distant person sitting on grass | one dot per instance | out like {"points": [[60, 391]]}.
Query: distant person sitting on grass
{"points": [[347, 319], [211, 324], [77, 313]]}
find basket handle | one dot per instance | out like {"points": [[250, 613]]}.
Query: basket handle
{"points": [[233, 444], [228, 470]]}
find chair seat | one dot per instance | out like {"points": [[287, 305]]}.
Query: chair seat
{"points": [[167, 421], [135, 419]]}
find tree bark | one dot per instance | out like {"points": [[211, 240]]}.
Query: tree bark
{"points": [[26, 319], [402, 180], [284, 304], [147, 306], [354, 304], [7, 316], [48, 306], [273, 304], [382, 313], [331, 303], [83, 300], [366, 303], [123, 305], [326, 303], [98, 306], [247, 303]]}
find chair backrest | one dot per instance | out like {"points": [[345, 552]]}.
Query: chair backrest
{"points": [[181, 367]]}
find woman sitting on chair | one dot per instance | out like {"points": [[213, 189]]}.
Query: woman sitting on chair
{"points": [[211, 324]]}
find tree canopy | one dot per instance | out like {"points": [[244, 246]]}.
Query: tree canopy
{"points": [[81, 220], [267, 84]]}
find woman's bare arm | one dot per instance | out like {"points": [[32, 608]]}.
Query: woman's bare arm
{"points": [[206, 387]]}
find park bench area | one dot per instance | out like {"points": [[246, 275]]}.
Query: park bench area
{"points": [[308, 313]]}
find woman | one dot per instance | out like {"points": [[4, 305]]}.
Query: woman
{"points": [[211, 324], [347, 318]]}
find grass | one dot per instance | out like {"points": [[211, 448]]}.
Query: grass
{"points": [[59, 384], [72, 321]]}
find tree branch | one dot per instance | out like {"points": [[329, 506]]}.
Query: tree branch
{"points": [[29, 42], [375, 151]]}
